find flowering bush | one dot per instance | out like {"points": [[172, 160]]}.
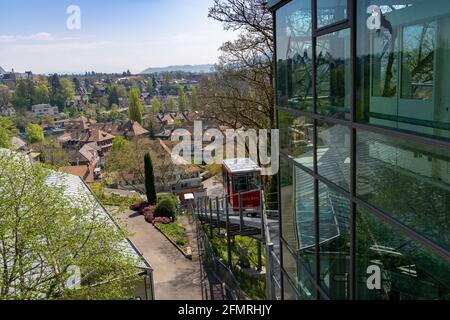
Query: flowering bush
{"points": [[149, 213], [139, 206], [162, 220]]}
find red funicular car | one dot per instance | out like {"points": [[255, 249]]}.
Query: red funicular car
{"points": [[243, 176]]}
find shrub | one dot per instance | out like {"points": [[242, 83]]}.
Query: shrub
{"points": [[174, 199], [149, 214], [165, 208], [162, 220], [139, 206]]}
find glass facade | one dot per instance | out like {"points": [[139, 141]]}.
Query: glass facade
{"points": [[363, 99]]}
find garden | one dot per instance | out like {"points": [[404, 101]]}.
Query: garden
{"points": [[164, 217]]}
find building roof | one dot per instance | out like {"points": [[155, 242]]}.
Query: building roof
{"points": [[81, 123], [84, 172], [88, 136], [241, 165], [75, 188], [129, 129]]}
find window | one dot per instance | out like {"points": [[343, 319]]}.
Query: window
{"points": [[334, 234], [403, 72], [297, 199], [331, 11], [333, 74], [408, 271], [333, 153], [296, 135], [392, 177], [294, 55], [419, 46]]}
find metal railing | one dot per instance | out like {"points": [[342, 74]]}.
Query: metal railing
{"points": [[219, 213]]}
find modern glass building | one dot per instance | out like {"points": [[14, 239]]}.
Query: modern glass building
{"points": [[363, 107]]}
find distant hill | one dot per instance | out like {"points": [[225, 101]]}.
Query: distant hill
{"points": [[2, 70], [202, 68]]}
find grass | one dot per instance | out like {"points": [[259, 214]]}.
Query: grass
{"points": [[113, 200], [253, 287], [175, 232]]}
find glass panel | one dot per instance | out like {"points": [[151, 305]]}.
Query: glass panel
{"points": [[290, 263], [297, 210], [330, 11], [419, 45], [408, 181], [403, 70], [298, 274], [333, 74], [404, 269], [296, 134], [333, 153], [294, 55], [334, 221], [289, 293]]}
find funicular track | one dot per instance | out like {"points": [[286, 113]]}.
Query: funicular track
{"points": [[257, 223]]}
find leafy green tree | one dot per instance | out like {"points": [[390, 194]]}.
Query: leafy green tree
{"points": [[182, 99], [113, 97], [8, 124], [41, 93], [135, 108], [68, 89], [44, 232], [61, 90], [23, 95], [150, 180], [52, 153], [34, 133], [121, 91], [5, 139], [177, 123], [149, 85], [47, 120], [156, 105], [171, 105], [73, 111], [194, 99], [5, 95]]}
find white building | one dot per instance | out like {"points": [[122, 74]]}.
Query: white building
{"points": [[43, 109]]}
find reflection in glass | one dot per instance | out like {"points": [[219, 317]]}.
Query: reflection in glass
{"points": [[419, 45], [408, 181], [294, 55], [408, 270], [296, 133], [333, 74], [297, 210], [333, 153], [403, 68], [334, 221], [330, 11]]}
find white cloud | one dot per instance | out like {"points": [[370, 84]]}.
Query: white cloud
{"points": [[40, 36]]}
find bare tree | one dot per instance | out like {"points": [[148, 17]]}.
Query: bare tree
{"points": [[241, 93]]}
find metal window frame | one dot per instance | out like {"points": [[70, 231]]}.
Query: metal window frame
{"points": [[354, 126]]}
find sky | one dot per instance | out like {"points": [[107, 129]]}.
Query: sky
{"points": [[114, 35]]}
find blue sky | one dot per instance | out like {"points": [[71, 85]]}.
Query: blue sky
{"points": [[115, 35]]}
